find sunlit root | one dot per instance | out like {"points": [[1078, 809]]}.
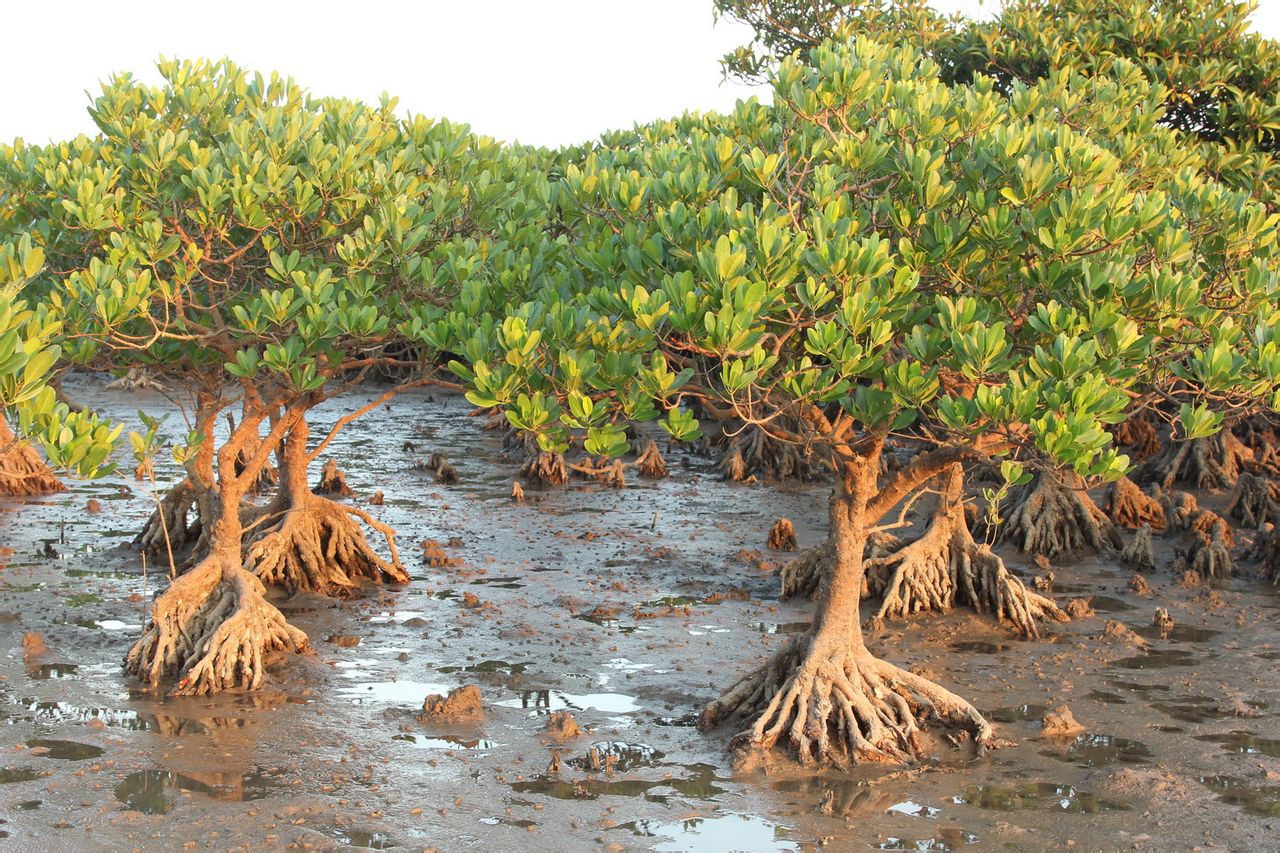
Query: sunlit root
{"points": [[1265, 549], [1129, 506], [612, 474], [831, 703], [1255, 501], [802, 574], [1213, 463], [1054, 515], [22, 472], [1180, 508], [782, 536], [649, 461], [1140, 553], [333, 482], [545, 469], [946, 567], [212, 630], [1210, 555], [321, 547]]}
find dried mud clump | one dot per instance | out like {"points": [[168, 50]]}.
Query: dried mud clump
{"points": [[333, 482], [1078, 608], [1118, 632], [782, 536], [1060, 723], [441, 470], [562, 726], [462, 705], [1139, 586], [434, 555]]}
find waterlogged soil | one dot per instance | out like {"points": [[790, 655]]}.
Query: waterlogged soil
{"points": [[629, 609]]}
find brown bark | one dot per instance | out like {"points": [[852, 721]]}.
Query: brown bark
{"points": [[22, 472], [824, 694]]}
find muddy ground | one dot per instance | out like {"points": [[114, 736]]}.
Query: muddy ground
{"points": [[630, 609]]}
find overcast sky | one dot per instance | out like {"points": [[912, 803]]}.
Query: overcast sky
{"points": [[549, 72]]}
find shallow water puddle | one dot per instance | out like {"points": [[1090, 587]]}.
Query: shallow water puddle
{"points": [[1161, 659], [617, 756], [485, 666], [722, 834], [447, 742], [158, 792], [12, 775], [699, 785], [947, 839], [1177, 634], [1110, 604], [1017, 713], [545, 701], [782, 627], [1036, 795], [66, 750], [980, 647], [1092, 750], [1245, 742], [116, 625], [400, 692], [49, 671], [911, 808], [1262, 800]]}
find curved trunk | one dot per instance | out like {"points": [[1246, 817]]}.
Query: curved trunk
{"points": [[213, 628], [179, 528], [824, 693], [317, 544], [22, 472]]}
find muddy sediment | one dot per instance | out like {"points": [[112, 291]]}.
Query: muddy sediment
{"points": [[1179, 747]]}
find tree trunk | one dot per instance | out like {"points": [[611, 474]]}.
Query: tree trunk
{"points": [[824, 694], [22, 472], [213, 629]]}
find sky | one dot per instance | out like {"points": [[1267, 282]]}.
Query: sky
{"points": [[550, 72]]}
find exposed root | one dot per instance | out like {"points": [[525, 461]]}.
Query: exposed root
{"points": [[1266, 550], [212, 630], [441, 470], [1180, 508], [612, 474], [545, 469], [333, 482], [838, 705], [1138, 436], [22, 472], [1212, 463], [320, 547], [136, 379], [177, 516], [1054, 515], [517, 491], [1140, 552], [1255, 501], [753, 452], [946, 567], [801, 576], [1128, 506], [1259, 435], [782, 536], [649, 461], [1210, 555]]}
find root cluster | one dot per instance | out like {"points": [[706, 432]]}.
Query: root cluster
{"points": [[333, 482], [22, 472], [837, 704], [545, 469], [1129, 506], [321, 547], [1054, 515], [212, 630], [1140, 553], [649, 461], [754, 453], [1213, 463], [1255, 501]]}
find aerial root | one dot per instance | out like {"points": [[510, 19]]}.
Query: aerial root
{"points": [[1140, 553], [22, 472], [1255, 501], [612, 474], [1265, 548], [1213, 463], [803, 573], [175, 524], [320, 547], [838, 706], [211, 630], [1210, 554], [1054, 515], [754, 453], [649, 461], [946, 567], [545, 469], [1138, 436], [1129, 506]]}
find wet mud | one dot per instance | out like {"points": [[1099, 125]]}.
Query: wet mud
{"points": [[629, 609]]}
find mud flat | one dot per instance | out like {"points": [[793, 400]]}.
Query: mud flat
{"points": [[629, 610]]}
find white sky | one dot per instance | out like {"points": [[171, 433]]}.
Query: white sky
{"points": [[542, 71]]}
